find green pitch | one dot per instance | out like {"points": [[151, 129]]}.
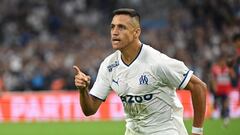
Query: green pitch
{"points": [[212, 127]]}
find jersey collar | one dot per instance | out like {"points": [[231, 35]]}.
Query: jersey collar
{"points": [[134, 58]]}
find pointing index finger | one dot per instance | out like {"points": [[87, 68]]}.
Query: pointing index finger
{"points": [[78, 71]]}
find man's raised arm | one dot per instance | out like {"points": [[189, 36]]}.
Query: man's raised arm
{"points": [[89, 104]]}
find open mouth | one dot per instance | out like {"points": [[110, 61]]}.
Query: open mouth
{"points": [[116, 40]]}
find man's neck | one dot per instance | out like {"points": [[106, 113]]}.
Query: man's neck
{"points": [[130, 53]]}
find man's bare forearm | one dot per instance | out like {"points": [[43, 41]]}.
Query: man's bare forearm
{"points": [[199, 103], [86, 102]]}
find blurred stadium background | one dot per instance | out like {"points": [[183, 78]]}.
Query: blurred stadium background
{"points": [[40, 41]]}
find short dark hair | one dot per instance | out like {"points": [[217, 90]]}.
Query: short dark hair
{"points": [[236, 37], [127, 11]]}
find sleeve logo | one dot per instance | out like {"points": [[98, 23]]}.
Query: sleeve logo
{"points": [[111, 66]]}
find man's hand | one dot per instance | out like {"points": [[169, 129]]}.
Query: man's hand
{"points": [[82, 81]]}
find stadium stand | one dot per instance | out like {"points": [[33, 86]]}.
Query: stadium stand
{"points": [[41, 40]]}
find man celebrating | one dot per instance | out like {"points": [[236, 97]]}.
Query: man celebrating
{"points": [[146, 81]]}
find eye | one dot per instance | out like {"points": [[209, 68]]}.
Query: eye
{"points": [[122, 27], [112, 26]]}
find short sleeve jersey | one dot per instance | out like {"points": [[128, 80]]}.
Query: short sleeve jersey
{"points": [[147, 88]]}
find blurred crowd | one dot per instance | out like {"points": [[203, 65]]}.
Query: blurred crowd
{"points": [[40, 40]]}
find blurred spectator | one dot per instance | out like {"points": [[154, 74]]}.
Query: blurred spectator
{"points": [[221, 85], [234, 63], [2, 84]]}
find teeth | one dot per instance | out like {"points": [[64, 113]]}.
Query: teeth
{"points": [[115, 41]]}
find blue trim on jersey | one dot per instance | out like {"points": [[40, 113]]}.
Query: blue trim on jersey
{"points": [[184, 79], [135, 57]]}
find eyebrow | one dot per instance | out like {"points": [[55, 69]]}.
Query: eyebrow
{"points": [[122, 25]]}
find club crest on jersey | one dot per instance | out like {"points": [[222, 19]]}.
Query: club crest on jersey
{"points": [[111, 66], [143, 80]]}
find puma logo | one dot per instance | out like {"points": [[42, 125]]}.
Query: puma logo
{"points": [[115, 81]]}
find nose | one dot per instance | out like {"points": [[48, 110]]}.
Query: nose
{"points": [[114, 31]]}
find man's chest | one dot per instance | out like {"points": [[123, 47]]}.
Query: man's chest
{"points": [[133, 81]]}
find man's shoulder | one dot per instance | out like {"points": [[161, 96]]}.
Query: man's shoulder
{"points": [[150, 49], [151, 53], [111, 61], [112, 57]]}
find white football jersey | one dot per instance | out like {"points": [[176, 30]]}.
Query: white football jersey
{"points": [[147, 88]]}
